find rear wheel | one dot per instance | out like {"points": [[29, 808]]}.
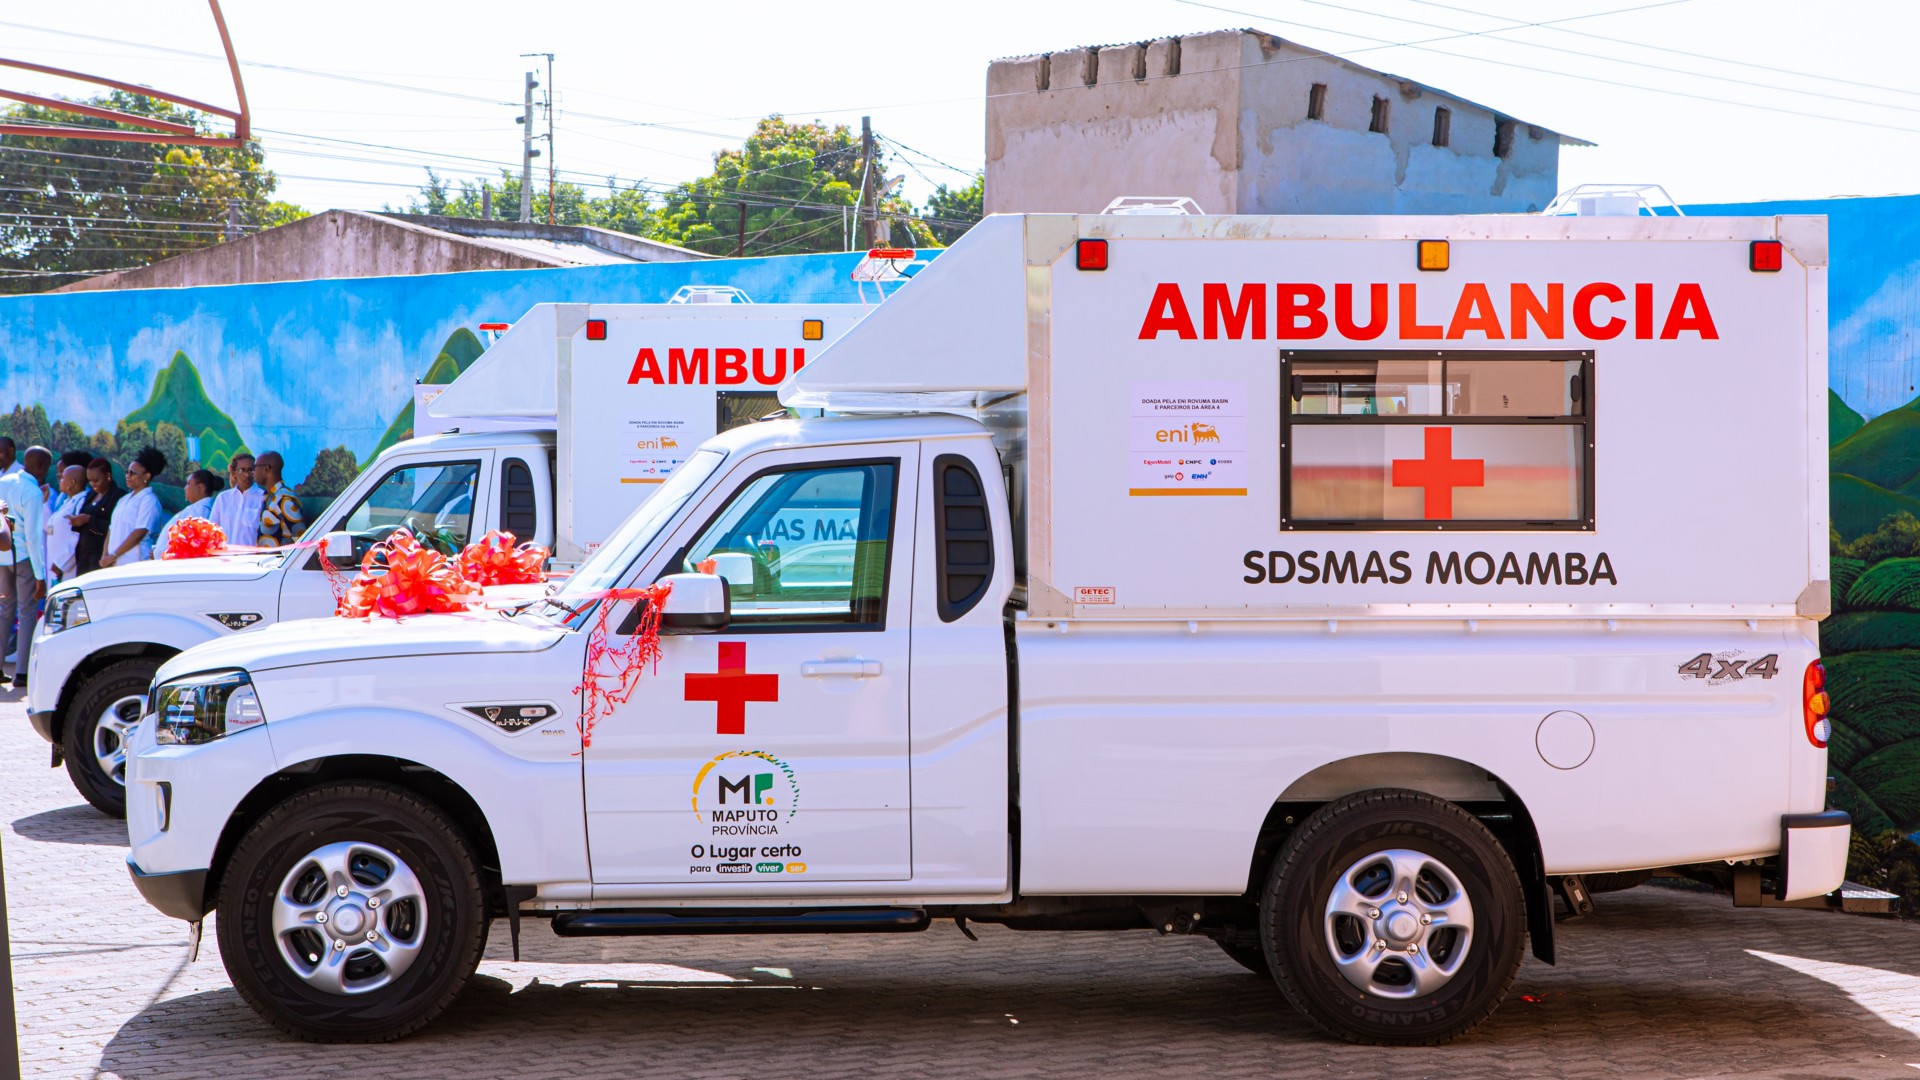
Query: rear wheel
{"points": [[352, 912], [104, 713], [1394, 918]]}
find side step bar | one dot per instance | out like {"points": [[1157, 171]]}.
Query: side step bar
{"points": [[738, 921]]}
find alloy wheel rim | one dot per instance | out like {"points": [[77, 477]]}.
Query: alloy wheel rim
{"points": [[349, 918], [1398, 924], [110, 733]]}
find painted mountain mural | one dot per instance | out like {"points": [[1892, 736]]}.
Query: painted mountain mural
{"points": [[458, 354], [1872, 640], [180, 399]]}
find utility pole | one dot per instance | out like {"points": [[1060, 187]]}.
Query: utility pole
{"points": [[9, 1034], [866, 169], [232, 231], [527, 152], [547, 104], [740, 245], [486, 201]]}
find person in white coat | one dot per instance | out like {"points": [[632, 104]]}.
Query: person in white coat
{"points": [[63, 543], [237, 509], [136, 517], [202, 485]]}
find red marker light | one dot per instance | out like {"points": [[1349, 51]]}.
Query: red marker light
{"points": [[1816, 705], [596, 329], [499, 327], [1090, 254], [1765, 256], [890, 253]]}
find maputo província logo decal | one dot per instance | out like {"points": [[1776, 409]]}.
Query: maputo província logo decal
{"points": [[745, 793]]}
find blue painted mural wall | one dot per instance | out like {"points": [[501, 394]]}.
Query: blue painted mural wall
{"points": [[304, 366]]}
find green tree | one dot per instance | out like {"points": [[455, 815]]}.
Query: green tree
{"points": [[129, 436], [172, 442], [1897, 537], [952, 211], [80, 206], [332, 471], [626, 210], [103, 445], [67, 435], [799, 182]]}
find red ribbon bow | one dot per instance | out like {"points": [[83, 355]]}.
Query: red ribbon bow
{"points": [[417, 581], [194, 538], [495, 560]]}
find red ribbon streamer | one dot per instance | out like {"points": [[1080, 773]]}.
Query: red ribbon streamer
{"points": [[195, 538], [611, 675]]}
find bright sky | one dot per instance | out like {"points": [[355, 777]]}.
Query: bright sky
{"points": [[1723, 100]]}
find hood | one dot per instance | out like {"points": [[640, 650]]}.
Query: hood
{"points": [[151, 571], [333, 640]]}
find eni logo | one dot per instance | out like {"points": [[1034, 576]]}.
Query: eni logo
{"points": [[1195, 432]]}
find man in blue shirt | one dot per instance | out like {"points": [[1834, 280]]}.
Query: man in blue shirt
{"points": [[23, 569]]}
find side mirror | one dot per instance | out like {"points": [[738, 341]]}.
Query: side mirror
{"points": [[735, 566], [698, 605], [337, 548]]}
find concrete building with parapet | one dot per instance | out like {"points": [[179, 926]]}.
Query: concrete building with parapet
{"points": [[1246, 123]]}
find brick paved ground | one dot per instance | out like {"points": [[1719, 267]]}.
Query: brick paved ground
{"points": [[1661, 983]]}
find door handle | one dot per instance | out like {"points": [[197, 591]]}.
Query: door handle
{"points": [[853, 669]]}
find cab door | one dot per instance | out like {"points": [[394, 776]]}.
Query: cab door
{"points": [[437, 499], [775, 751]]}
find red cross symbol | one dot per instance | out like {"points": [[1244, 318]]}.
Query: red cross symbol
{"points": [[731, 688], [1439, 473]]}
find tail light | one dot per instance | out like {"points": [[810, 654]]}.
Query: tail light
{"points": [[1815, 704]]}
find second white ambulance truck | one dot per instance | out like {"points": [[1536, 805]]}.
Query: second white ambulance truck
{"points": [[1336, 589]]}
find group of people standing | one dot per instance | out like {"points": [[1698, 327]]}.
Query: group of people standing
{"points": [[61, 519]]}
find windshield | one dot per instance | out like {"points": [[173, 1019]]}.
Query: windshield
{"points": [[604, 568]]}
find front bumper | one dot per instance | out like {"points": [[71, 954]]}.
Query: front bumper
{"points": [[1813, 853], [181, 894], [42, 722]]}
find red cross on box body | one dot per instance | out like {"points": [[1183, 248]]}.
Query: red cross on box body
{"points": [[731, 688], [1439, 473]]}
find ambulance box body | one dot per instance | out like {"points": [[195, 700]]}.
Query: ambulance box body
{"points": [[1288, 416]]}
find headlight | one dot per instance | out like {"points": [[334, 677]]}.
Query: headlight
{"points": [[65, 610], [201, 708]]}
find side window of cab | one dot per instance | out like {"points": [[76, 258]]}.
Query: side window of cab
{"points": [[805, 547]]}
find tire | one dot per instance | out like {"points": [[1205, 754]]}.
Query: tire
{"points": [[381, 841], [1251, 957], [1355, 855], [94, 740]]}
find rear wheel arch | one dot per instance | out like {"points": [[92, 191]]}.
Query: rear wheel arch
{"points": [[1472, 787], [424, 781]]}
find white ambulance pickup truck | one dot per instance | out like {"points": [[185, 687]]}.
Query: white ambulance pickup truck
{"points": [[548, 449], [1333, 588]]}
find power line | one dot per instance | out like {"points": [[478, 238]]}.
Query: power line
{"points": [[1676, 52], [1596, 56], [1423, 47]]}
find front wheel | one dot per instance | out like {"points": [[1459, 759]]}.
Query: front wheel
{"points": [[105, 711], [1394, 918], [352, 912]]}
